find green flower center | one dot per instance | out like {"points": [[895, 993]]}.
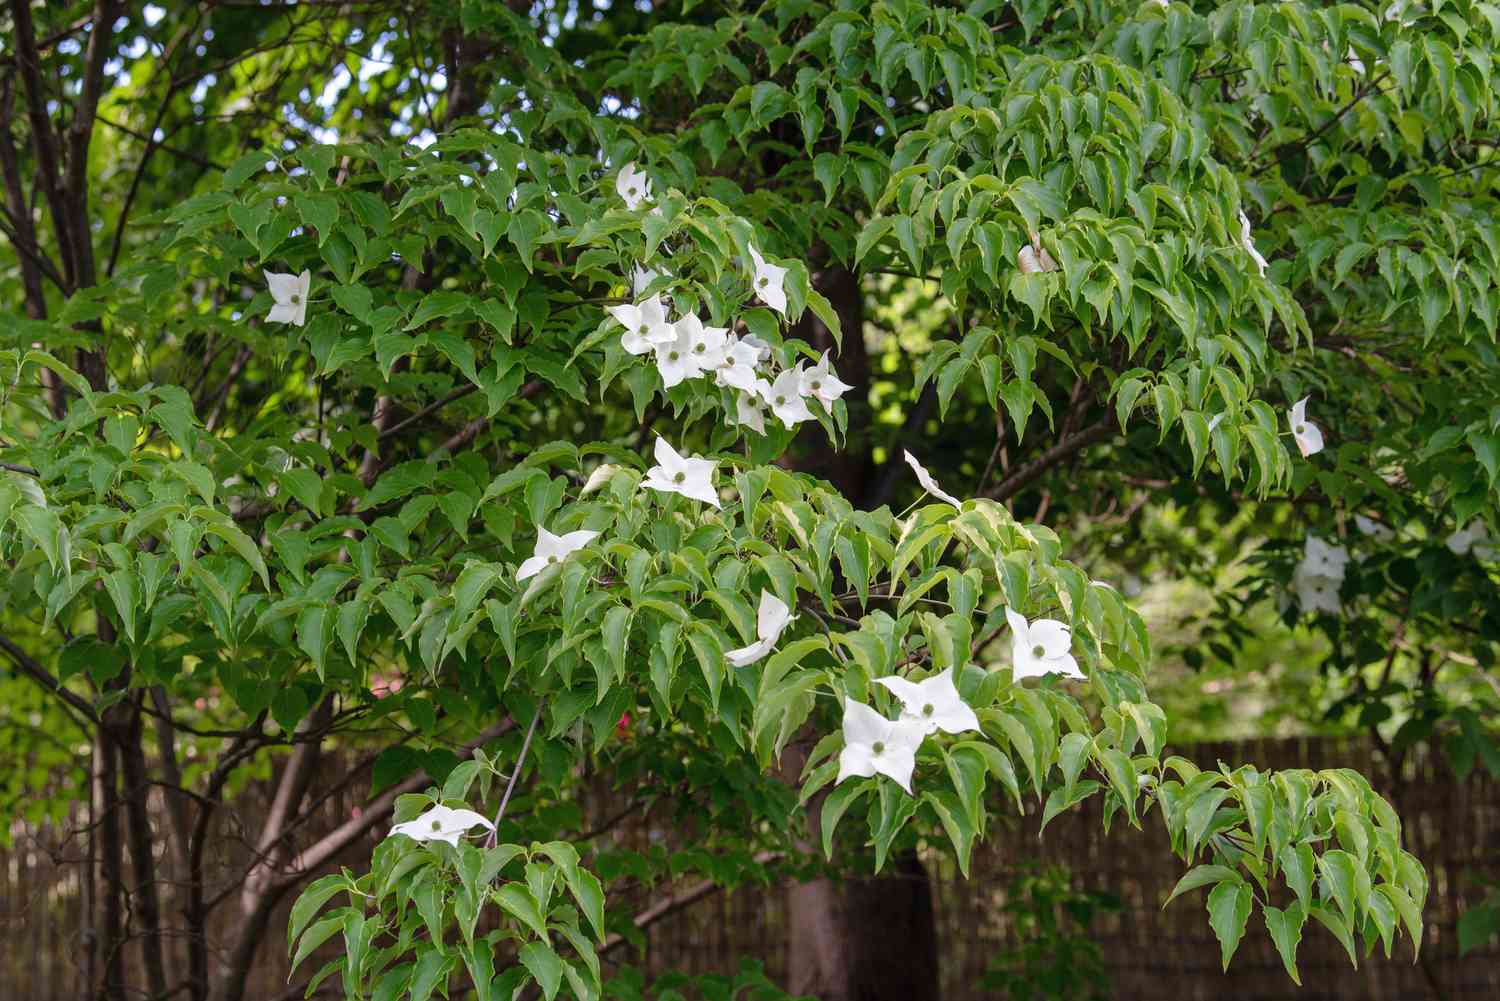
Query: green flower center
{"points": [[1301, 428], [552, 559], [927, 709], [698, 349], [1038, 651], [672, 356], [763, 282], [816, 384], [679, 477], [437, 825], [296, 299], [641, 330], [630, 190], [877, 747], [780, 400]]}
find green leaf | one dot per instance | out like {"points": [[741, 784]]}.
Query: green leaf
{"points": [[543, 964], [1228, 913], [1286, 931], [1203, 875]]}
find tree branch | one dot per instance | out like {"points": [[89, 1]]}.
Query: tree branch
{"points": [[1099, 431]]}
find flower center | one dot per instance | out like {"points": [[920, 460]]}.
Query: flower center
{"points": [[1301, 428], [763, 282], [437, 825], [672, 356], [679, 477], [816, 384], [1038, 651], [641, 330], [927, 709], [780, 400], [877, 747], [630, 190], [698, 349], [552, 559]]}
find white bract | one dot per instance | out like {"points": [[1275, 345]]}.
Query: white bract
{"points": [[1319, 557], [1040, 647], [1316, 592], [707, 345], [874, 744], [1473, 538], [441, 823], [1249, 244], [785, 398], [762, 349], [645, 325], [598, 478], [1309, 438], [674, 358], [677, 474], [737, 368], [1033, 258], [823, 382], [289, 297], [770, 619], [750, 407], [1373, 528], [552, 549], [933, 704], [633, 186], [928, 483], [641, 279], [769, 282]]}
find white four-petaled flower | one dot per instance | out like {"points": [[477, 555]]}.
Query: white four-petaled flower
{"points": [[737, 367], [441, 823], [1373, 528], [928, 483], [1323, 558], [678, 474], [552, 549], [645, 325], [1473, 538], [770, 619], [874, 744], [633, 186], [1249, 244], [823, 382], [674, 357], [1040, 647], [785, 398], [933, 704], [1307, 435], [769, 282], [289, 297]]}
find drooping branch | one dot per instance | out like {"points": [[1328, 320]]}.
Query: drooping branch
{"points": [[1100, 430]]}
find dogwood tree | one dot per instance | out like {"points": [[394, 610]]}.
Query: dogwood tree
{"points": [[700, 400]]}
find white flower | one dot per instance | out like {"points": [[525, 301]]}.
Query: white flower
{"points": [[289, 296], [785, 397], [641, 278], [874, 744], [1249, 245], [762, 349], [769, 282], [552, 549], [823, 382], [1034, 259], [1316, 592], [598, 478], [928, 483], [737, 367], [1473, 538], [770, 619], [645, 325], [676, 474], [933, 704], [1309, 438], [707, 345], [674, 358], [1321, 559], [750, 408], [441, 823], [633, 185], [1041, 647], [1373, 528]]}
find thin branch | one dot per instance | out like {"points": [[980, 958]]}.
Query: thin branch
{"points": [[44, 677], [515, 774], [1100, 430], [675, 902]]}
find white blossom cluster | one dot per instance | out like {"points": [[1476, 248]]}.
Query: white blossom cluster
{"points": [[685, 348], [1319, 576]]}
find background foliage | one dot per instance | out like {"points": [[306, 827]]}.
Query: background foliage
{"points": [[229, 543]]}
